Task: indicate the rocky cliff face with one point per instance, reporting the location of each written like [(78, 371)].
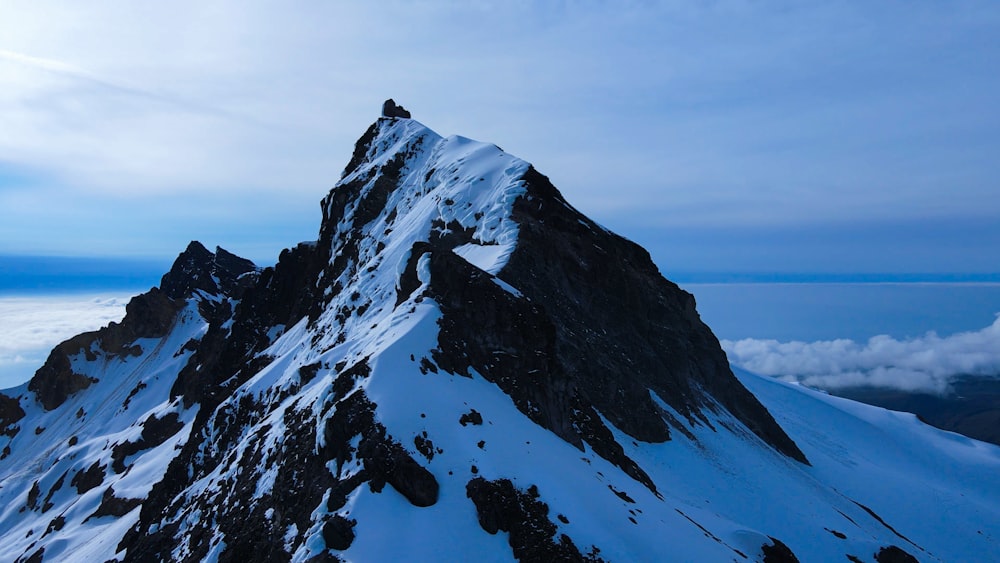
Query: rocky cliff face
[(460, 353)]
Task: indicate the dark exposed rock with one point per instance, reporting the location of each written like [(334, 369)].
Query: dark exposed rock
[(893, 554), (502, 507), (227, 354), (424, 445), (47, 503), (408, 282), (89, 478), (155, 431), (252, 532), (283, 295), (56, 380), (778, 552), (198, 269), (885, 524), (619, 327), (10, 413), (511, 341), (55, 525), (622, 495), (36, 557), (112, 505), (308, 372), (324, 557), (149, 315), (135, 391), (600, 438), (385, 460), (302, 479), (471, 417), (427, 366), (121, 451), (390, 109), (361, 148), (33, 494), (338, 532)]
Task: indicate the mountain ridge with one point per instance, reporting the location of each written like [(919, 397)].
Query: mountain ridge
[(526, 382)]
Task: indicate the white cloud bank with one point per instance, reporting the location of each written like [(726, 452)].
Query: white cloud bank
[(31, 326), (926, 363)]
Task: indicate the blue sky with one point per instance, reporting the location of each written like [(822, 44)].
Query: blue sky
[(750, 136)]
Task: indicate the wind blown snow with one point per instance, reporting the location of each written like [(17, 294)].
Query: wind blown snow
[(926, 363), (31, 326)]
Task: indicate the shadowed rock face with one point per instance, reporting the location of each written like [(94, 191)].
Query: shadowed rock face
[(10, 413), (56, 380), (621, 329), (597, 330), (198, 269)]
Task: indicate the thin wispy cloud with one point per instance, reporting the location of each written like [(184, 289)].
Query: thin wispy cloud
[(927, 363), (68, 70), (72, 71), (48, 64)]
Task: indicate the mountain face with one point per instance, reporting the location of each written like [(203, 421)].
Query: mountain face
[(461, 366), (971, 407)]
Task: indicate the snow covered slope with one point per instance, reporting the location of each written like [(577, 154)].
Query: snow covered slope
[(460, 367)]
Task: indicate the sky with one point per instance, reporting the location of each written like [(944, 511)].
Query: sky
[(722, 135)]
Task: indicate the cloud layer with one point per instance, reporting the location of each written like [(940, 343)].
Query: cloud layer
[(32, 326), (926, 363)]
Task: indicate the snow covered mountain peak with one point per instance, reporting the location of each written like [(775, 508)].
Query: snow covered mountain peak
[(461, 365)]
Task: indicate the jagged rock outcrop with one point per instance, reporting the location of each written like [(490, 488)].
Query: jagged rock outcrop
[(197, 269), (391, 109), (10, 413), (500, 506)]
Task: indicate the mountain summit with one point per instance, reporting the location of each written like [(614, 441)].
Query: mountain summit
[(461, 366)]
